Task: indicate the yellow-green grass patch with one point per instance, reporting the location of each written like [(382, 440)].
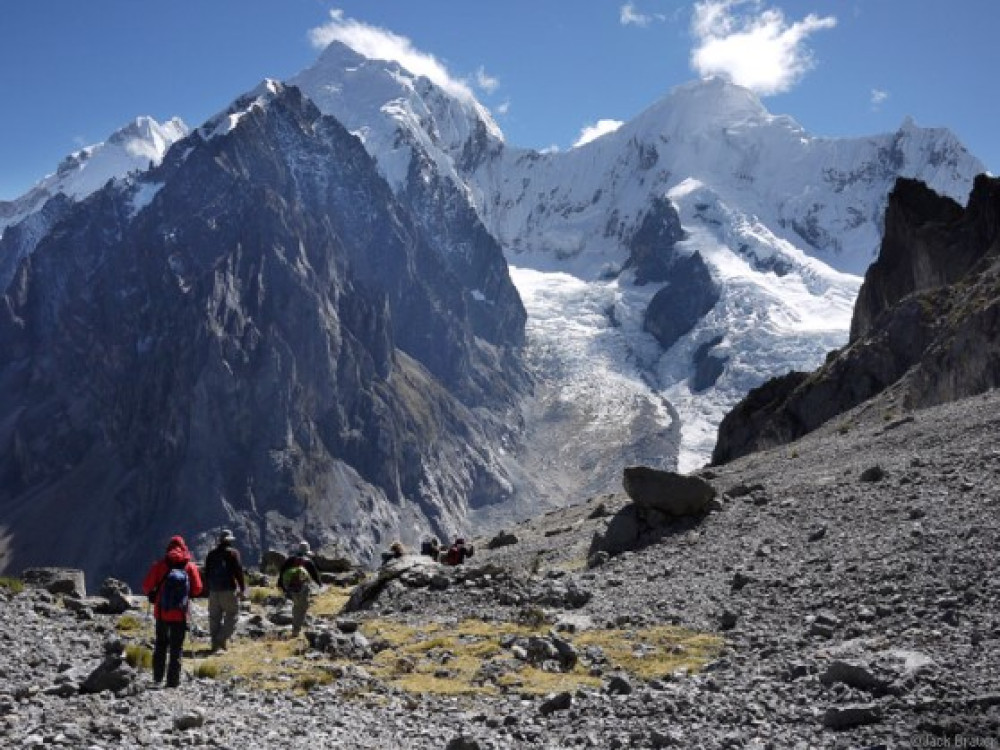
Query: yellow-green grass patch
[(456, 659), (266, 664), (13, 585)]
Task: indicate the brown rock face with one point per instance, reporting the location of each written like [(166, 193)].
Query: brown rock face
[(927, 320)]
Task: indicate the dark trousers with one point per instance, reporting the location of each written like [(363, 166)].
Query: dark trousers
[(169, 638)]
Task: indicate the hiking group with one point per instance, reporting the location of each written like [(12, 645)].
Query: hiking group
[(174, 579), (455, 554)]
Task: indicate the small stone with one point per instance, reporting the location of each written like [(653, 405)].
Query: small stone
[(818, 534), (192, 719), (847, 717), (873, 474), (618, 685), (557, 702)]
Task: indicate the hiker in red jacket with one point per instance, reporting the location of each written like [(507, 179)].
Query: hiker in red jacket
[(169, 584)]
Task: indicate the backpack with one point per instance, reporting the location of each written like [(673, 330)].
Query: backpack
[(295, 578), (454, 555), (218, 571), (174, 591)]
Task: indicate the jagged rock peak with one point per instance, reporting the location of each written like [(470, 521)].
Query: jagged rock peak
[(930, 241), (926, 324)]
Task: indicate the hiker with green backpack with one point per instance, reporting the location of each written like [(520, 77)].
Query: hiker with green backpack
[(169, 585), (295, 578)]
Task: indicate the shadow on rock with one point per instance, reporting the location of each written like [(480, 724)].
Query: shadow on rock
[(663, 503)]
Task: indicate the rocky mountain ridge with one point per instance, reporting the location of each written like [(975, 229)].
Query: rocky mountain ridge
[(925, 325), (256, 337)]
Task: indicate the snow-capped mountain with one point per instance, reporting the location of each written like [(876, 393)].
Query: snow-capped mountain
[(665, 268), (784, 222), (134, 148)]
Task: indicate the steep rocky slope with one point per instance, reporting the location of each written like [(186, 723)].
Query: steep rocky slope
[(851, 576), (255, 334), (927, 318)]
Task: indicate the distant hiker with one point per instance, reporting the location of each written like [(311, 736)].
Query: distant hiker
[(396, 551), (431, 548), (169, 584), (295, 578), (224, 577), (458, 552)]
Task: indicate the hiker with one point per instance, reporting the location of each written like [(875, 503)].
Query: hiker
[(169, 585), (294, 579), (458, 552), (224, 577), (396, 551), (431, 548)]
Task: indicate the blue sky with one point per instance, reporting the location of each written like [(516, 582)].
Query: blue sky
[(72, 72)]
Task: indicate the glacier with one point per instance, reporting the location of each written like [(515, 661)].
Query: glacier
[(786, 221)]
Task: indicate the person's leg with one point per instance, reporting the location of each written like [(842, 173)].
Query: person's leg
[(178, 630), (300, 603), (160, 650), (215, 612), (229, 606)]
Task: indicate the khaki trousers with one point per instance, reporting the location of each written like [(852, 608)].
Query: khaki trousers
[(223, 613)]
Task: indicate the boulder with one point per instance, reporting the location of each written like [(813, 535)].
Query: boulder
[(556, 702), (416, 568), (115, 595), (857, 676), (113, 674), (332, 560), (69, 581), (667, 492), (847, 717), (503, 539)]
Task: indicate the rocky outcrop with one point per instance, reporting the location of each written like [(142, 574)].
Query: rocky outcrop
[(929, 242), (257, 335), (688, 296), (926, 322), (651, 248)]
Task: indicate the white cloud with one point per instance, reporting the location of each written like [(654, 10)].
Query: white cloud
[(486, 82), (592, 132), (503, 107), (757, 49), (878, 96), (382, 44), (629, 15)]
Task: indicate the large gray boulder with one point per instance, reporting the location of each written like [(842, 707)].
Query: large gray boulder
[(70, 581), (332, 559), (667, 492), (415, 571)]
